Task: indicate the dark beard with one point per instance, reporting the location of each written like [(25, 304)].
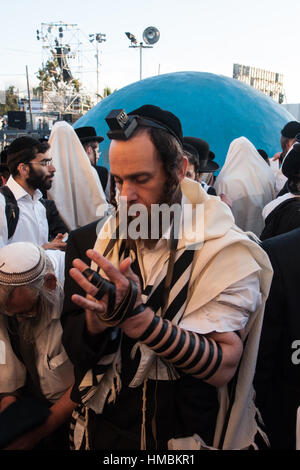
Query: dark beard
[(37, 181), (27, 328), (150, 243)]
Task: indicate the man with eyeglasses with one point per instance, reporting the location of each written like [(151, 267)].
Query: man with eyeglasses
[(31, 174)]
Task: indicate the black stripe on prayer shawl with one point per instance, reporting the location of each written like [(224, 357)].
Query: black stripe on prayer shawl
[(110, 244), (78, 413), (180, 266), (147, 290), (73, 420), (177, 303), (122, 249), (84, 392)]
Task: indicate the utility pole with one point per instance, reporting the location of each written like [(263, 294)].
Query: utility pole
[(151, 35), (29, 99), (97, 59), (141, 65), (141, 47), (99, 37)]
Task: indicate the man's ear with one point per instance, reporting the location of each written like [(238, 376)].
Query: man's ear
[(182, 170), (23, 169), (50, 281)]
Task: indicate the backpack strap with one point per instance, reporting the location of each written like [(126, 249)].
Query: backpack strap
[(11, 210)]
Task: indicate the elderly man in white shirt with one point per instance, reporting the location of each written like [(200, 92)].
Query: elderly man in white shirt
[(34, 362)]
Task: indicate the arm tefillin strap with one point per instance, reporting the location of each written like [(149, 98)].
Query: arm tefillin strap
[(184, 349), (114, 314)]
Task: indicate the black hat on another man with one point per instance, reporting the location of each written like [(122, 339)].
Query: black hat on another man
[(88, 134), (291, 163), (200, 149), (291, 129)]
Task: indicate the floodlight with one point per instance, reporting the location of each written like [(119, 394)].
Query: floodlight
[(131, 38), (151, 35)]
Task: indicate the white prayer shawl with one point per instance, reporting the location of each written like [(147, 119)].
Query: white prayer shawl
[(226, 256), (249, 182), (280, 179), (77, 193)]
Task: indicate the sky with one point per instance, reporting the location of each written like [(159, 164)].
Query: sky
[(194, 36)]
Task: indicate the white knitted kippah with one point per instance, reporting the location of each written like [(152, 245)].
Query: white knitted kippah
[(21, 263)]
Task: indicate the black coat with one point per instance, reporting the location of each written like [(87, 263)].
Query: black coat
[(55, 222), (284, 218), (277, 379), (76, 343), (103, 175)]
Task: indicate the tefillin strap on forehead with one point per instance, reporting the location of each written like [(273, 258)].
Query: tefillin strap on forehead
[(123, 126), (114, 314)]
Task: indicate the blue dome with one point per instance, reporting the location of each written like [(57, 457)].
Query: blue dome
[(215, 108)]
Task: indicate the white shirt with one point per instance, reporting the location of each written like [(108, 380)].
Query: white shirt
[(273, 204), (56, 372), (32, 224), (280, 179)]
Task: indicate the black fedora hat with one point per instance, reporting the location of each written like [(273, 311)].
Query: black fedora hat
[(200, 148), (87, 134), (291, 163)]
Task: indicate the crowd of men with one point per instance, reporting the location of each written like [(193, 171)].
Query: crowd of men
[(153, 306)]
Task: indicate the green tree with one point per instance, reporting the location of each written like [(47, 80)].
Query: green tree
[(11, 101), (51, 79), (106, 92)]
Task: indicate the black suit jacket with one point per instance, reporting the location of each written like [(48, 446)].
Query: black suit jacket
[(79, 241), (277, 379), (83, 351)]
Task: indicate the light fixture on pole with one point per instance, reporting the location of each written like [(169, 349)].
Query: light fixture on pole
[(98, 37), (150, 35)]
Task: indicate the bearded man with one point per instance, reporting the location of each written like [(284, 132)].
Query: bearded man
[(31, 173), (158, 342)]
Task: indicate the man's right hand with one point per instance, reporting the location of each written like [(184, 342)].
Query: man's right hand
[(56, 243), (276, 156)]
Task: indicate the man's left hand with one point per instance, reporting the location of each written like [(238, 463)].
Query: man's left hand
[(118, 276)]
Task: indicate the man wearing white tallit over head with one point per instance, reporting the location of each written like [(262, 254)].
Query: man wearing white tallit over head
[(78, 194), (249, 182)]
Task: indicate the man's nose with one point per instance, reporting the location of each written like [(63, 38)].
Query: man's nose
[(128, 191), (52, 168)]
